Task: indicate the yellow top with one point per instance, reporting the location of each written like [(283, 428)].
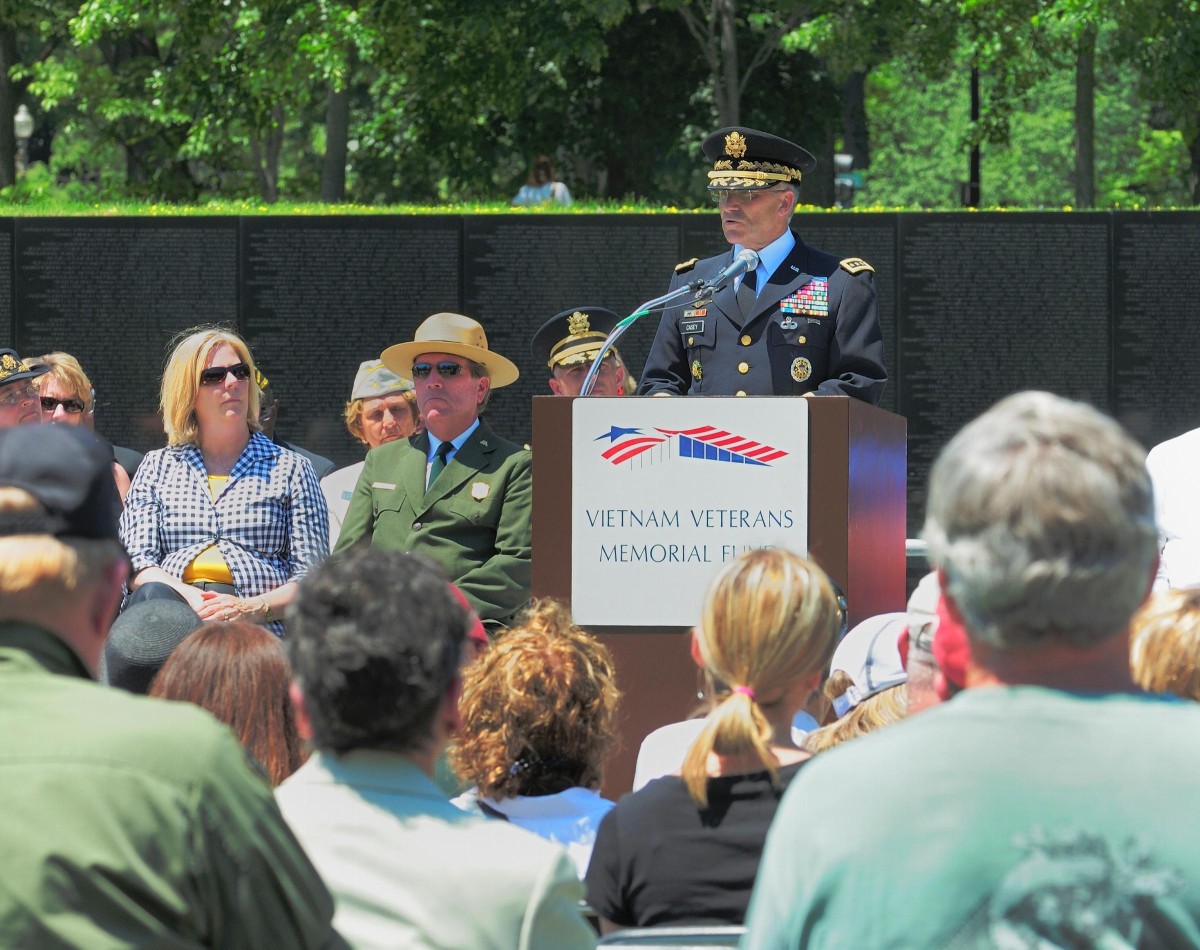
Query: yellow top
[(209, 565)]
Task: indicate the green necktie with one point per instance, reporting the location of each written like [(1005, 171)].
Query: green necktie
[(438, 463)]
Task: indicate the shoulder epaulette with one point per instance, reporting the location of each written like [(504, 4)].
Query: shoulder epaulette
[(686, 265), (855, 265)]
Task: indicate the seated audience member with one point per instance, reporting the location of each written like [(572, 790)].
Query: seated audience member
[(457, 493), (140, 641), (866, 685), (127, 822), (67, 398), (539, 714), (19, 399), (1165, 651), (1048, 804), (382, 408), (685, 849), (268, 415), (569, 342), (239, 673), (222, 518), (376, 690)]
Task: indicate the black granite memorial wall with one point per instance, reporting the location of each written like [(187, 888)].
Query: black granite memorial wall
[(1096, 306)]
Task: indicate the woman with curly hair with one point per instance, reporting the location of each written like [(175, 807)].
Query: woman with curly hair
[(539, 712), (685, 849)]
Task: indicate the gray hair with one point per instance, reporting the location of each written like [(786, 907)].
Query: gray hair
[(1041, 517)]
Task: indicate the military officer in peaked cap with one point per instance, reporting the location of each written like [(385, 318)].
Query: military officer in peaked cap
[(569, 342), (802, 322)]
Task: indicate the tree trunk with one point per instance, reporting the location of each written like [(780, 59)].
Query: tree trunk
[(855, 134), (337, 134), (1085, 120), (729, 102), (8, 106), (974, 189)]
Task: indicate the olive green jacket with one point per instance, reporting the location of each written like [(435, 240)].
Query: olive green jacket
[(474, 521), (136, 822)]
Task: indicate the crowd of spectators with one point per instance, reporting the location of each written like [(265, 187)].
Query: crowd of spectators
[(1003, 763)]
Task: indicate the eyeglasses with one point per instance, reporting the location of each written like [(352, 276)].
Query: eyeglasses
[(216, 374), (13, 395), (73, 406), (740, 196), (444, 368)]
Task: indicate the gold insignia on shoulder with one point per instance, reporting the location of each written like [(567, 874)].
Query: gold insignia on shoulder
[(260, 380), (697, 371), (686, 266), (856, 265), (735, 144), (577, 324), (801, 369)]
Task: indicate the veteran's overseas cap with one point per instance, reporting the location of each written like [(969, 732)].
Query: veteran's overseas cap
[(573, 336), (374, 380), (747, 159)]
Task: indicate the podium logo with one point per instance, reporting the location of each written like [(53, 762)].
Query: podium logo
[(706, 443)]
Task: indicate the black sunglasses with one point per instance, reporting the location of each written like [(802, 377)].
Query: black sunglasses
[(73, 406), (217, 374), (444, 368)]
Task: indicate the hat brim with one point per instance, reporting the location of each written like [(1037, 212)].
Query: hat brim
[(33, 372), (400, 358)]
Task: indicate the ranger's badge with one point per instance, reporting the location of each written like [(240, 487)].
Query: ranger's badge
[(480, 490)]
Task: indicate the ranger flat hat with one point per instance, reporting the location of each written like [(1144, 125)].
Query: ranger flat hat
[(573, 336), (457, 335), (13, 369), (747, 159), (374, 380)]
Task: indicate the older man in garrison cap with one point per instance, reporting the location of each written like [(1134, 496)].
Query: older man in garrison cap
[(569, 342), (20, 401), (456, 492), (801, 321), (128, 821)]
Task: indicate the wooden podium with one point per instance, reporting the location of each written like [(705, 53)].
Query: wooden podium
[(856, 532)]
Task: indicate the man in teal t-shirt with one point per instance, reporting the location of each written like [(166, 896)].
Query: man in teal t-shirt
[(1050, 803)]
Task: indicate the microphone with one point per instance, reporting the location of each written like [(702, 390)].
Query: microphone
[(745, 261)]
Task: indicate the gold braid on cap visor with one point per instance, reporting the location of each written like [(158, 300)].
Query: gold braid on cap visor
[(749, 174), (562, 352)]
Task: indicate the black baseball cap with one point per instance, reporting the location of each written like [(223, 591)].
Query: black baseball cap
[(69, 471)]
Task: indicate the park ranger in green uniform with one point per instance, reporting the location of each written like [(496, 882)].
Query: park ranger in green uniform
[(457, 492)]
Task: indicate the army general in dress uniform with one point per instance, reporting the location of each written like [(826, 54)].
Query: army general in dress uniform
[(802, 322), (458, 493)]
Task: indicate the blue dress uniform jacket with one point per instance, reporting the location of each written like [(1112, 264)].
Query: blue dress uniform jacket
[(474, 521), (815, 328)]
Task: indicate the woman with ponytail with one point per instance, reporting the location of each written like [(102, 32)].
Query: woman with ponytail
[(685, 849)]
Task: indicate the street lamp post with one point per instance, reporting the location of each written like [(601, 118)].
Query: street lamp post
[(23, 129)]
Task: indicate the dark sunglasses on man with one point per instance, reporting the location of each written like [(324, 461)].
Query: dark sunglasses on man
[(216, 374), (444, 368)]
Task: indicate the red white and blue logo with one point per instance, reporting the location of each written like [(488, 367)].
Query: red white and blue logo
[(707, 443)]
